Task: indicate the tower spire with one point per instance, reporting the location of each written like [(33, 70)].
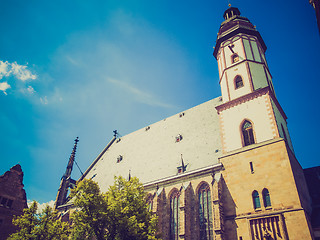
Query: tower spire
[(71, 159), (66, 180)]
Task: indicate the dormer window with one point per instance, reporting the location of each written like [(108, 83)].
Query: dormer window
[(235, 58), (119, 158), (238, 83), (178, 138)]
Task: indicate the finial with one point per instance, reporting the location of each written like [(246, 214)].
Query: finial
[(115, 133), (229, 5)]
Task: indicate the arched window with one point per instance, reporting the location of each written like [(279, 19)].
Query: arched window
[(238, 83), (205, 213), (266, 198), (256, 199), (247, 133), (235, 58), (174, 215), (150, 202)]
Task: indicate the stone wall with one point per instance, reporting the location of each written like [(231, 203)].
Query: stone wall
[(12, 199), (275, 169)]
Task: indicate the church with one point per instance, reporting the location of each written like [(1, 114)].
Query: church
[(225, 169)]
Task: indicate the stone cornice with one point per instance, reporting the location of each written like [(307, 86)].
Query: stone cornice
[(256, 215), (245, 98), (250, 147), (184, 176)]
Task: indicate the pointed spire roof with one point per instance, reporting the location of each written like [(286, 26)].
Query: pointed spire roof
[(71, 159)]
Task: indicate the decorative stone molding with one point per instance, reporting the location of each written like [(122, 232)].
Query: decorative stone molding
[(243, 99)]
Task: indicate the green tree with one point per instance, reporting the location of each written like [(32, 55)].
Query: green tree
[(119, 214), (92, 216), (39, 226)]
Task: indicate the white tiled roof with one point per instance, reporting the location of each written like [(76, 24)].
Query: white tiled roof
[(152, 153)]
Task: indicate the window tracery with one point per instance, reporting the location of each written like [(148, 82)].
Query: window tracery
[(205, 213), (174, 215)]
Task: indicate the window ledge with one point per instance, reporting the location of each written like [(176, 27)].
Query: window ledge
[(258, 209)]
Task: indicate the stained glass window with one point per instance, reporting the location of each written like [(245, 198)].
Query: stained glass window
[(205, 213), (174, 215)]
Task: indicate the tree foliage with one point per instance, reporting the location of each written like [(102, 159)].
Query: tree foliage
[(39, 226), (121, 213)]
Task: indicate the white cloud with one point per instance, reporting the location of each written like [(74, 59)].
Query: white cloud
[(44, 100), (4, 69), (18, 71), (42, 206), (21, 72), (4, 86), (31, 90)]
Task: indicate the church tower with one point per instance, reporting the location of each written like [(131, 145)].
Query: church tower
[(264, 187), (251, 112)]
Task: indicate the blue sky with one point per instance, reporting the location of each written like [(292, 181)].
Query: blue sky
[(84, 68)]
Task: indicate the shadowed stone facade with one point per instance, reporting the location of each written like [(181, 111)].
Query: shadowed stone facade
[(12, 199)]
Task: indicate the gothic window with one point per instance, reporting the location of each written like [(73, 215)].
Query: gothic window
[(238, 83), (256, 199), (235, 58), (266, 198), (205, 213), (174, 215), (150, 202), (247, 133)]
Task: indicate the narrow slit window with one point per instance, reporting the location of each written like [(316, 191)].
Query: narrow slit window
[(251, 167)]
